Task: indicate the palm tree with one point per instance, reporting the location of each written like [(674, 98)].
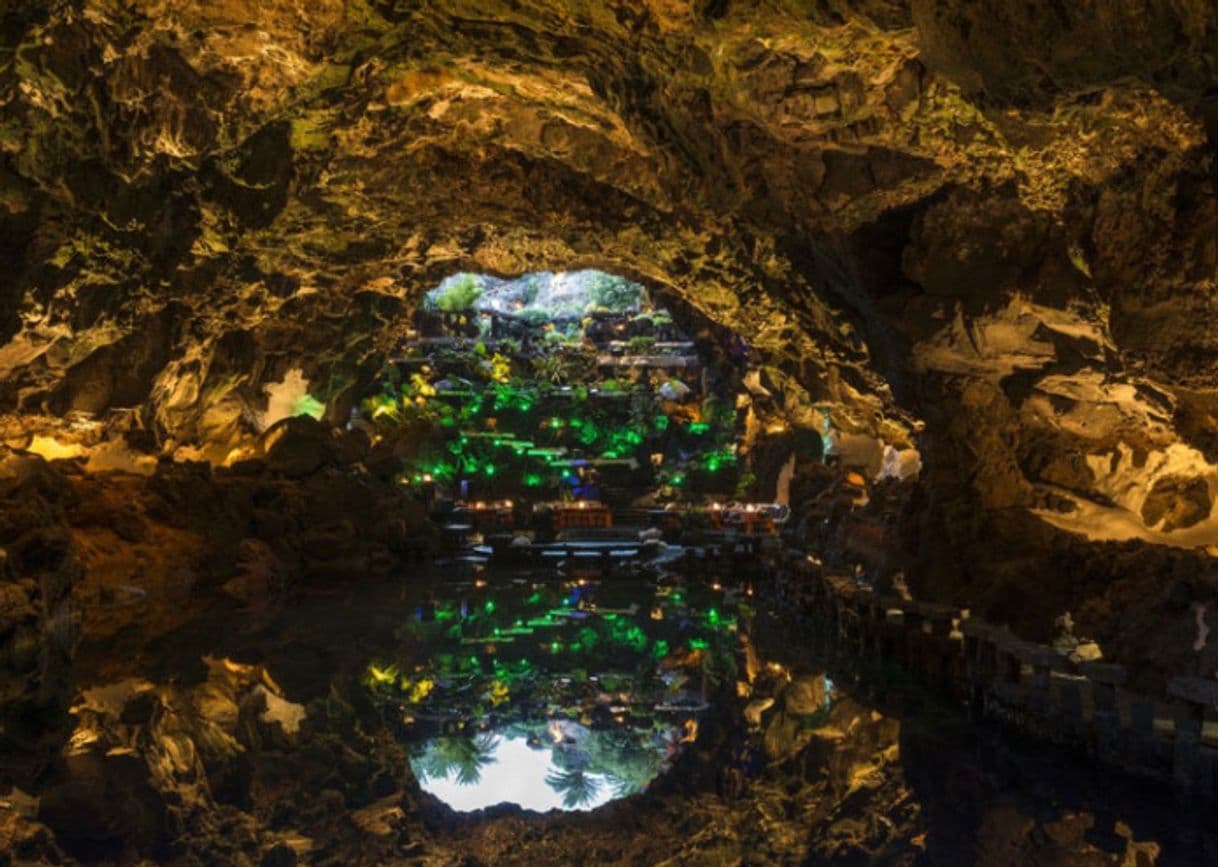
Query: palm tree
[(464, 755), (576, 787)]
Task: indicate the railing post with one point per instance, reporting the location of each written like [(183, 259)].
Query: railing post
[(1105, 678), (1193, 695), (1142, 742)]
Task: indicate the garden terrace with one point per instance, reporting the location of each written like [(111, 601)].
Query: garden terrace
[(569, 403)]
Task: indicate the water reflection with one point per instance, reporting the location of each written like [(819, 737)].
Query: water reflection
[(566, 767), (553, 693)]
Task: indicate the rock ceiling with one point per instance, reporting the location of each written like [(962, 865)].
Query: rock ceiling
[(990, 222)]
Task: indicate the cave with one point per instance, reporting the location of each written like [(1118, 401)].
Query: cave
[(623, 432)]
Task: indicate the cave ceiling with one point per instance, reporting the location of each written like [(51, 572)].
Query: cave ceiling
[(987, 223)]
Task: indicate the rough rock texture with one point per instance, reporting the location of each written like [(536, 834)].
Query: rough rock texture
[(986, 226), (39, 624)]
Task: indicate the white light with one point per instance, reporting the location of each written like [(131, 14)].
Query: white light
[(516, 775)]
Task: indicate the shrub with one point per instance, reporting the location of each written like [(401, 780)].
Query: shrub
[(640, 345), (617, 294), (461, 294)]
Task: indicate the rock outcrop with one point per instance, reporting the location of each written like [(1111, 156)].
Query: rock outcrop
[(983, 229)]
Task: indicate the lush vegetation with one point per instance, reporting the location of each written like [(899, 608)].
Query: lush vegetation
[(459, 294), (513, 413)]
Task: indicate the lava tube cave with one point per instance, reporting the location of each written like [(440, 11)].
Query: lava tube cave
[(623, 432)]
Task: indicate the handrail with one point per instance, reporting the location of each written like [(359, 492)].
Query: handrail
[(1033, 687)]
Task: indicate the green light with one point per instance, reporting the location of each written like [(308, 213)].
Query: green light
[(661, 422), (306, 404), (489, 469), (489, 607), (532, 480), (698, 644), (698, 428), (660, 650), (555, 647), (712, 617)]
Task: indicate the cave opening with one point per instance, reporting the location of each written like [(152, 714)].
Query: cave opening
[(561, 387)]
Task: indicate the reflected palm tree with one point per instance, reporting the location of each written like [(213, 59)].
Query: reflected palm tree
[(576, 787), (463, 755), (624, 786)]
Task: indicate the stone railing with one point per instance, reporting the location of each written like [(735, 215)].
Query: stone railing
[(1032, 687)]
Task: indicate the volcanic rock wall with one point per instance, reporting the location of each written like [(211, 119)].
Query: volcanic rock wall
[(987, 227)]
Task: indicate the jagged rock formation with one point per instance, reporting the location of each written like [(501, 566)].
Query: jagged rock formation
[(985, 228)]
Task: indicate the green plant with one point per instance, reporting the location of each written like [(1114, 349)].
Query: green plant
[(534, 318), (617, 294), (558, 338), (532, 285), (559, 368), (640, 345), (461, 294)]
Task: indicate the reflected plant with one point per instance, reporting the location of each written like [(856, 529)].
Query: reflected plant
[(463, 755), (575, 786)]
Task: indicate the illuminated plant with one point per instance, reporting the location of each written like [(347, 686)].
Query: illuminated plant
[(615, 294), (459, 295)]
